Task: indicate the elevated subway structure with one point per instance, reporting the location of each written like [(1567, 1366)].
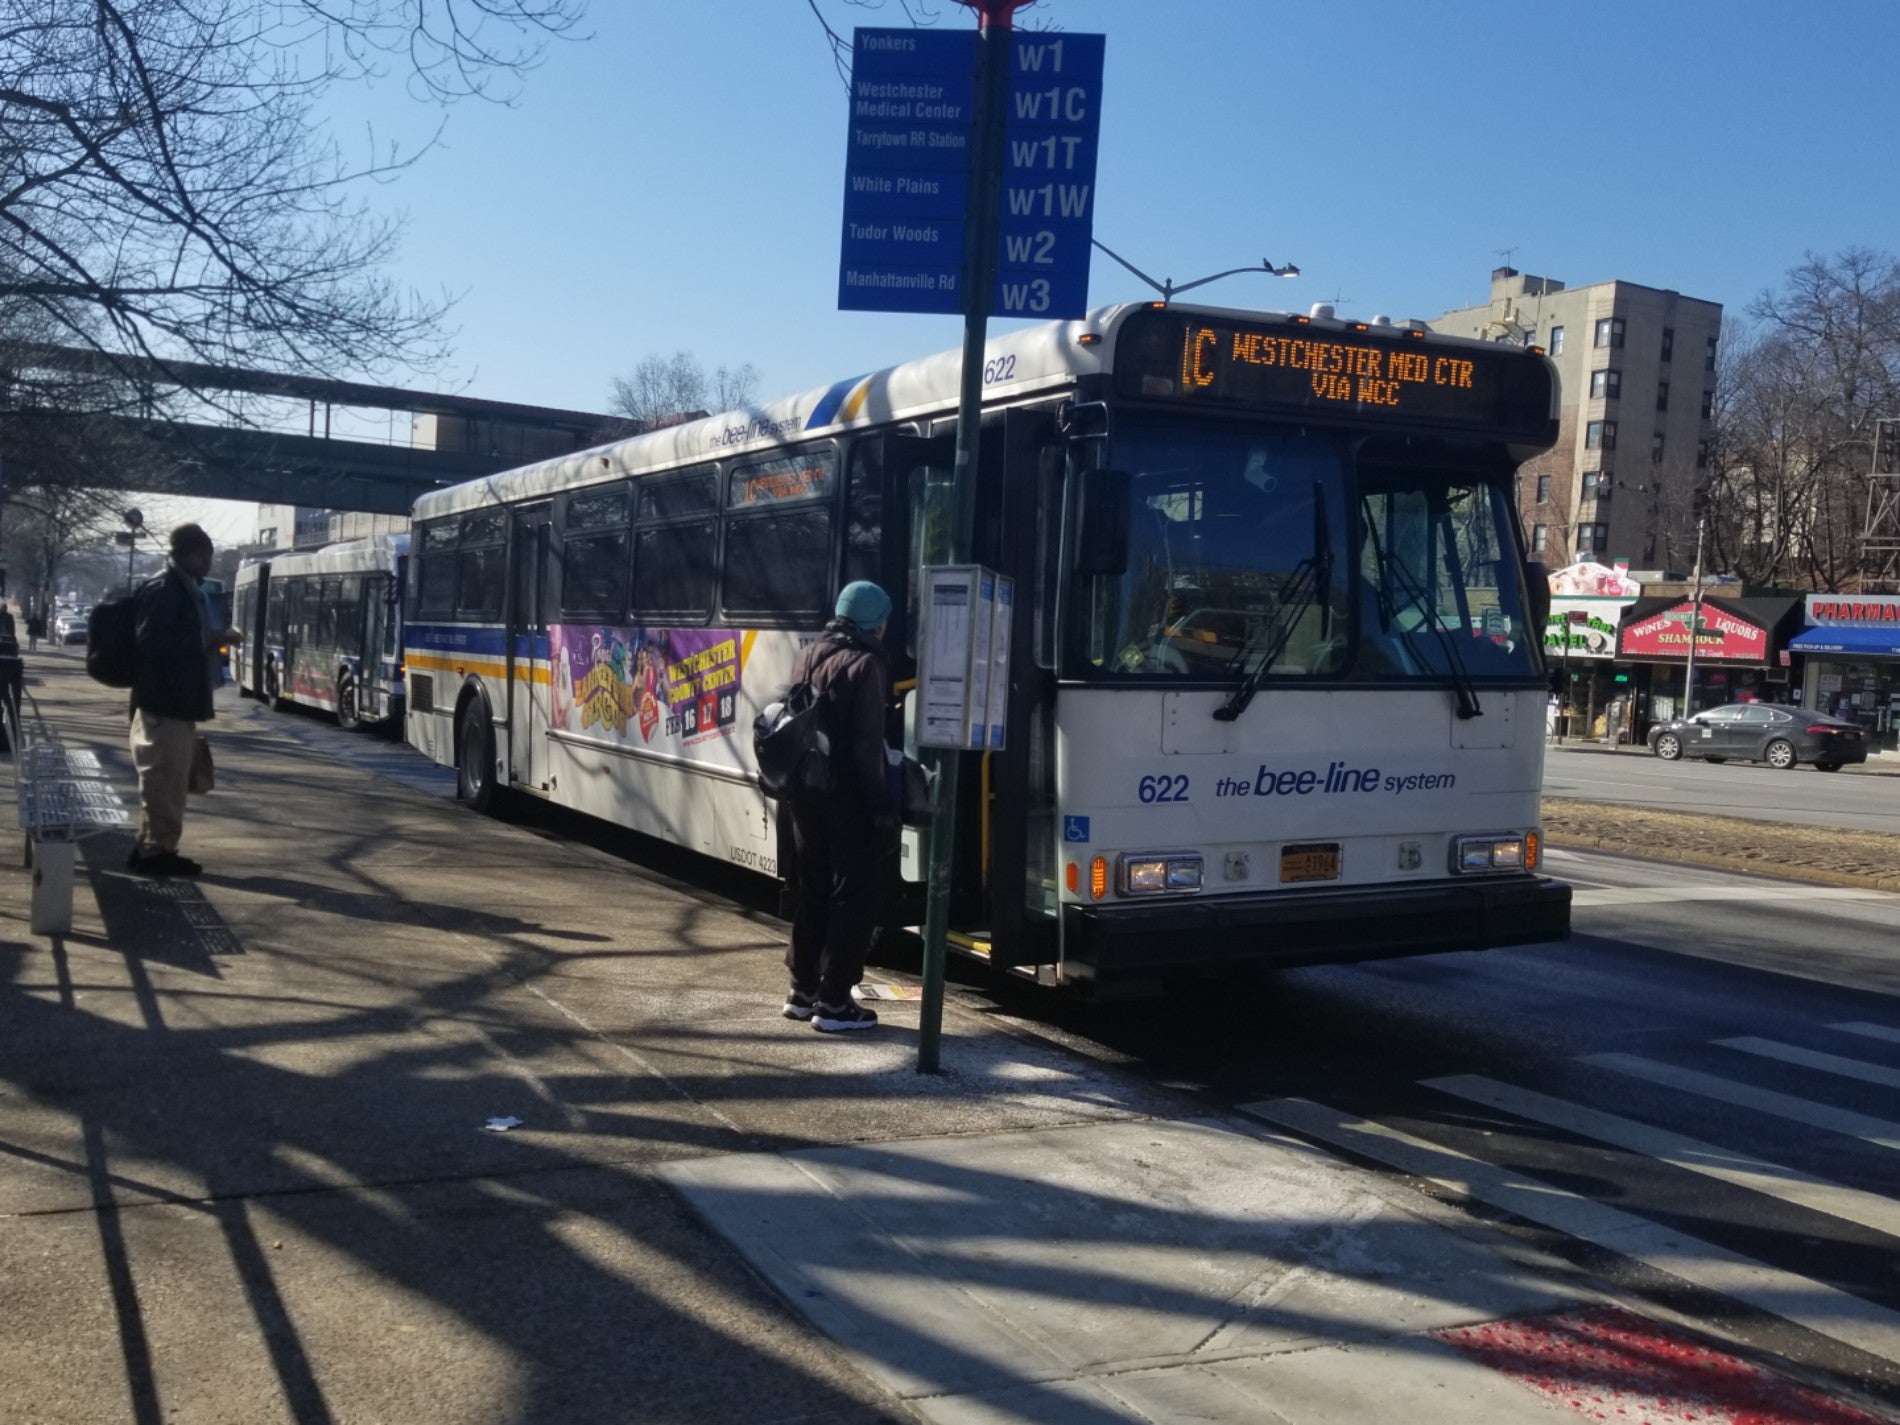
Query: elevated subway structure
[(447, 439)]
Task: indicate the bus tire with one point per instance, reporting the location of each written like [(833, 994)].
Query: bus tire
[(475, 757), (349, 716)]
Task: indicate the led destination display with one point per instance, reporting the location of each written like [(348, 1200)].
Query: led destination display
[(1298, 368)]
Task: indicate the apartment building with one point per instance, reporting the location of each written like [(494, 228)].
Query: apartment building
[(1636, 367)]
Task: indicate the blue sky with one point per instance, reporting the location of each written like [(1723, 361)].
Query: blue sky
[(675, 182)]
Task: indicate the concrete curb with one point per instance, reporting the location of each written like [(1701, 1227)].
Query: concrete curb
[(1813, 874)]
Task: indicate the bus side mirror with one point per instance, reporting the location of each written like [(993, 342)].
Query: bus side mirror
[(1537, 591), (1101, 527)]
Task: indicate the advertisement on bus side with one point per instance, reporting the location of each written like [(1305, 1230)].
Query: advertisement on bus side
[(664, 688)]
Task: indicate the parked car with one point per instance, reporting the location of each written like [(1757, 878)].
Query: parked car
[(70, 626), (1760, 732)]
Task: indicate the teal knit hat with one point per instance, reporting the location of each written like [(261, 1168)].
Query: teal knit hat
[(864, 604)]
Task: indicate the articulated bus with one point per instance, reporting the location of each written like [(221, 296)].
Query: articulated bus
[(325, 629), (1276, 693)]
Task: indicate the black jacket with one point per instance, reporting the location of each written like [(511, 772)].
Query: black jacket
[(174, 671), (849, 671)]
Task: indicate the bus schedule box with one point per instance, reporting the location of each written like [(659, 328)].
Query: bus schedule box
[(963, 657)]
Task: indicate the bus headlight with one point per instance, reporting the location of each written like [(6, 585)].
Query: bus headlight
[(1488, 853), (1160, 875)]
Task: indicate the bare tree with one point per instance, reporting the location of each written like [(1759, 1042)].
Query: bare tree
[(1794, 421), (666, 389), (48, 525), (167, 189)]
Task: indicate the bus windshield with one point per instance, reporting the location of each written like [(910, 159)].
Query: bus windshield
[(1440, 585), (1270, 544), (1236, 548)]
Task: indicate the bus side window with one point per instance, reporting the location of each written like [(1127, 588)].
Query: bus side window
[(932, 499), (327, 614), (864, 514), (349, 615)]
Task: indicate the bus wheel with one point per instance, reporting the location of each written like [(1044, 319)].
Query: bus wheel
[(349, 716), (475, 758)]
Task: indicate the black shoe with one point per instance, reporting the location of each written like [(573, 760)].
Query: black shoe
[(164, 863), (833, 1019), (799, 1005)]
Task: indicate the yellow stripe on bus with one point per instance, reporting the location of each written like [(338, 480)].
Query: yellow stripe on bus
[(465, 663), (495, 667)]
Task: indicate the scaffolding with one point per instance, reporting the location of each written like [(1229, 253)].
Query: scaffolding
[(1880, 539)]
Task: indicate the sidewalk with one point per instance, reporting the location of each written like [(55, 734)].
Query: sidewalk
[(244, 1174)]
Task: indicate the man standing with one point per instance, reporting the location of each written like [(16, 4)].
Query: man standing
[(840, 837), (178, 642)]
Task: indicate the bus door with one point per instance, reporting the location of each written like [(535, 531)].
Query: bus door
[(300, 613), (256, 629), (1018, 533), (528, 611), (381, 606), (1006, 815), (372, 682)]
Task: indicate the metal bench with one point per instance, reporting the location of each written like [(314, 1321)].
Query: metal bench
[(64, 795)]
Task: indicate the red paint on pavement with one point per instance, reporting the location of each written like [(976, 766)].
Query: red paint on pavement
[(1615, 1366)]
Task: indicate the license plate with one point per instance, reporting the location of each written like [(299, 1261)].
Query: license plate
[(1310, 862)]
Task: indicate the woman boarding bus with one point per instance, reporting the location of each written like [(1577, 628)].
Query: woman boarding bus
[(325, 629), (1275, 681)]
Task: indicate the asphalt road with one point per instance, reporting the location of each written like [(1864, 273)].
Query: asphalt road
[(1702, 1086), (1849, 801), (1696, 1098)]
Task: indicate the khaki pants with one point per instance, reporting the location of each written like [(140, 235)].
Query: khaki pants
[(161, 750)]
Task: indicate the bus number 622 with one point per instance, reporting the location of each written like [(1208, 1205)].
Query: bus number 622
[(1164, 788)]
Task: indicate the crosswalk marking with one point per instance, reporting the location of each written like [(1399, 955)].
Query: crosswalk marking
[(1872, 1210), (1870, 1031), (1879, 1131), (1814, 1059), (1812, 1304)]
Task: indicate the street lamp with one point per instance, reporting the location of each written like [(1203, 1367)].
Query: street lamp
[(1167, 286)]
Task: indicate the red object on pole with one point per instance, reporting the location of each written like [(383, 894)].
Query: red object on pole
[(999, 13)]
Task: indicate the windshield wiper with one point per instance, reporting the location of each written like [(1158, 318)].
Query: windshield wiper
[(1467, 691), (1311, 576)]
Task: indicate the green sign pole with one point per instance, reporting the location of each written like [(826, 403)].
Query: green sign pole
[(952, 545)]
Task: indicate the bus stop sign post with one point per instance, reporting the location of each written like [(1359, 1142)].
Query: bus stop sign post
[(923, 162), (979, 275)]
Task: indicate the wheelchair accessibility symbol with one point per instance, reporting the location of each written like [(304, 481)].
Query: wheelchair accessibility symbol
[(1075, 828)]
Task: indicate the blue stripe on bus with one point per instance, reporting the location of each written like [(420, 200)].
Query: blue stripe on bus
[(827, 408), (458, 638)]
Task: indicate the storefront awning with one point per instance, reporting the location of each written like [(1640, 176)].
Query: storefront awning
[(1878, 642)]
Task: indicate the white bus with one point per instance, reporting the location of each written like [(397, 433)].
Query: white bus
[(325, 629), (1277, 687)]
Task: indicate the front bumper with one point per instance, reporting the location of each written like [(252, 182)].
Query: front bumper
[(1282, 928)]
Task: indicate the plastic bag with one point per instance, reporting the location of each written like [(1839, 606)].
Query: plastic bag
[(203, 776)]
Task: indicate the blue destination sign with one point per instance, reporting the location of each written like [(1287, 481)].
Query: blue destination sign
[(908, 165), (1050, 139), (907, 170)]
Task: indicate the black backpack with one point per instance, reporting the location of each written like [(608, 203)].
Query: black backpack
[(791, 744), (112, 652)]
